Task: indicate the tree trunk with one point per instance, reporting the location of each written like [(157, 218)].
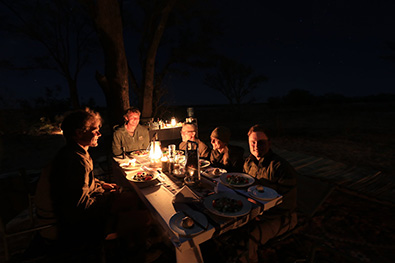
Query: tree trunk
[(107, 18), (150, 61)]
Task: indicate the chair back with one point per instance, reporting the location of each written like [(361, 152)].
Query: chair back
[(312, 193)]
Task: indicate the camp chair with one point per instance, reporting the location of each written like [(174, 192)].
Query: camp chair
[(312, 193), (17, 196)]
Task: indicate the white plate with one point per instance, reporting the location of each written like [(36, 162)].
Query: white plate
[(175, 223), (129, 166), (210, 172), (203, 163), (267, 194), (139, 153), (224, 180), (130, 176), (208, 203)]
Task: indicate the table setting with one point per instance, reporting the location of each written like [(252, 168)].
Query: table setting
[(213, 203)]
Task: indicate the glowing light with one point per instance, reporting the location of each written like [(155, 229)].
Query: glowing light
[(155, 153), (173, 122)]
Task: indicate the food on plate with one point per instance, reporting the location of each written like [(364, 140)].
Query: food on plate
[(143, 177), (187, 222), (236, 179), (260, 188), (227, 205), (177, 152), (216, 171), (130, 164), (139, 152)]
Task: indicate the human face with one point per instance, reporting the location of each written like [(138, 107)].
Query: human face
[(217, 144), (89, 137), (259, 144), (133, 119), (188, 133)]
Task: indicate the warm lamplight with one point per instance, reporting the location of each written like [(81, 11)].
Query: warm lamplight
[(173, 122), (155, 152)]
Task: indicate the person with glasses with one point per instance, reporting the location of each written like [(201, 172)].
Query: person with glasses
[(189, 133), (272, 171), (131, 136)]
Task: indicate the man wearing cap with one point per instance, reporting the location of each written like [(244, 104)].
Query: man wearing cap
[(223, 155), (188, 133)]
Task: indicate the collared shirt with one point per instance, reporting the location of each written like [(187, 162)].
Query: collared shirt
[(122, 138), (275, 172)]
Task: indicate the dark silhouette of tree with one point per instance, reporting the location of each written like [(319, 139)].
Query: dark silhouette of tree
[(234, 80), (61, 29), (174, 35), (114, 82)]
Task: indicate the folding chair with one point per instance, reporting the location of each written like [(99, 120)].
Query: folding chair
[(20, 194), (312, 193)]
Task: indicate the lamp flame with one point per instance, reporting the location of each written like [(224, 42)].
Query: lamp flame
[(173, 122), (155, 153)]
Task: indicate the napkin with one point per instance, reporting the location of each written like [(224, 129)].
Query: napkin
[(185, 195), (222, 188)]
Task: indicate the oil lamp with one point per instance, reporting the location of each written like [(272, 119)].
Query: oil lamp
[(173, 122), (155, 153)]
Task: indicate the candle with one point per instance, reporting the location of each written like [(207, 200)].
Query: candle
[(173, 122)]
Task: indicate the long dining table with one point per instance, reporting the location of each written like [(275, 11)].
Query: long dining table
[(166, 196)]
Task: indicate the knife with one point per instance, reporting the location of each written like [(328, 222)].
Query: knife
[(195, 221)]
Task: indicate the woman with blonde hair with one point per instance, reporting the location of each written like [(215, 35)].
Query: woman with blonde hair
[(223, 155)]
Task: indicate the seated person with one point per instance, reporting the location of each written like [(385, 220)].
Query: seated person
[(83, 210), (272, 171), (188, 133), (130, 135), (224, 155), (68, 194)]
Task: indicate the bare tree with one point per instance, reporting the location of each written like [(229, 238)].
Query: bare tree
[(234, 80), (173, 35), (114, 82), (62, 31)]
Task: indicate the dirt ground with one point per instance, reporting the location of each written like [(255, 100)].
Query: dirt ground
[(350, 228)]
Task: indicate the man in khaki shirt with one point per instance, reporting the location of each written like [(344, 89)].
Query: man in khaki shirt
[(272, 171), (131, 136)]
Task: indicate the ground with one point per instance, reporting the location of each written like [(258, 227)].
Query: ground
[(351, 228)]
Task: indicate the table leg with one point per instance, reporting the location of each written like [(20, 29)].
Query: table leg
[(189, 255)]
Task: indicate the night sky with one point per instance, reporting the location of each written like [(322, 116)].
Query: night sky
[(319, 46)]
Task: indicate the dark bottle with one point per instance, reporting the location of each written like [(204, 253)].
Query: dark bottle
[(192, 166), (123, 153)]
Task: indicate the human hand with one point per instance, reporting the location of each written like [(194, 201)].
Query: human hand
[(110, 187)]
